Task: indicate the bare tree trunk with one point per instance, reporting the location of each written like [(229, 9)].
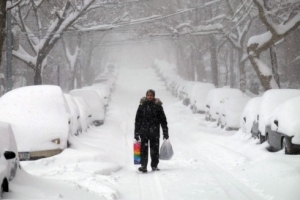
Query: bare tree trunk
[(274, 64), (231, 64), (38, 74), (213, 61), (242, 82), (2, 25)]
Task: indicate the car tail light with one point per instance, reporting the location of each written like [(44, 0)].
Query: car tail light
[(56, 141)]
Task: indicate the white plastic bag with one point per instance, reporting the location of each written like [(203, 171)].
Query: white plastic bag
[(166, 150)]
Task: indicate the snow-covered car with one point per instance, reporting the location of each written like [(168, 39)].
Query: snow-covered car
[(214, 98), (198, 97), (94, 102), (270, 101), (285, 127), (231, 111), (75, 115), (186, 92), (39, 118), (249, 119), (85, 113), (9, 159), (104, 90)]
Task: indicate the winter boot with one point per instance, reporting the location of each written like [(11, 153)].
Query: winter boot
[(143, 169), (155, 169)]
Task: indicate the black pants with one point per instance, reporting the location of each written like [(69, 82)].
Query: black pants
[(154, 151)]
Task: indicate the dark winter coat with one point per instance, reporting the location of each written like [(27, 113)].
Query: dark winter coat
[(150, 115)]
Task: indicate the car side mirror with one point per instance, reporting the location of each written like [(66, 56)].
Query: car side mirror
[(276, 122), (9, 155)]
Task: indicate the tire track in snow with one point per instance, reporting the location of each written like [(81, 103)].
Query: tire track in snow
[(232, 186), (149, 184)]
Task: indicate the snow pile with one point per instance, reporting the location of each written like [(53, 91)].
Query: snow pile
[(38, 115), (270, 100), (250, 114), (288, 117)]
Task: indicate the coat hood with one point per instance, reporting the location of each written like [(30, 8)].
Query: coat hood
[(157, 101)]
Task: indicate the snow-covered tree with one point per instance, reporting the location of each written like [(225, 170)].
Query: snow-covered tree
[(281, 17), (48, 30)]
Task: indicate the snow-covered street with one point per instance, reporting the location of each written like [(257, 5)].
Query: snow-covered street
[(209, 163)]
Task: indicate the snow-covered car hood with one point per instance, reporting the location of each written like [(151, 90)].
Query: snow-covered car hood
[(37, 115)]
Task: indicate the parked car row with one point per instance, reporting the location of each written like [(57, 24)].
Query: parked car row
[(43, 117), (37, 121), (274, 117), (221, 105)]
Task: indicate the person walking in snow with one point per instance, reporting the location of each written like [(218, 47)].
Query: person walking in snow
[(150, 115)]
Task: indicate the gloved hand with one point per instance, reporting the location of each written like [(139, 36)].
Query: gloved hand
[(166, 136), (137, 137)]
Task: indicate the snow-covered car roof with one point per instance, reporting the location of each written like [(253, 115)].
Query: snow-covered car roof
[(84, 113), (74, 111), (233, 109), (288, 116), (250, 112), (38, 115), (101, 91), (215, 96), (270, 100), (200, 93)]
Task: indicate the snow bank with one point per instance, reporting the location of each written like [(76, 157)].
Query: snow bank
[(270, 100), (288, 117), (250, 113), (38, 115)]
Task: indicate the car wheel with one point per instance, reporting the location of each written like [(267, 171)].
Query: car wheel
[(267, 138), (283, 144), (2, 190)]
